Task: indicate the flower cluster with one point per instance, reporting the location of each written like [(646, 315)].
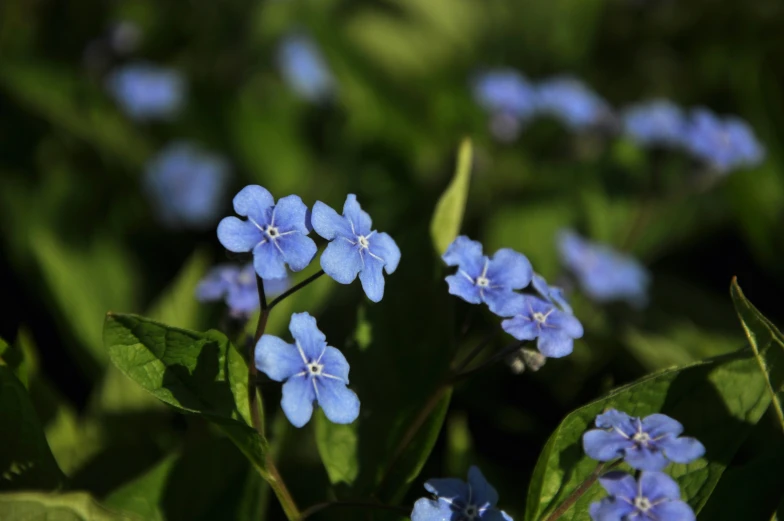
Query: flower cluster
[(480, 279), (237, 286), (647, 444), (456, 500)]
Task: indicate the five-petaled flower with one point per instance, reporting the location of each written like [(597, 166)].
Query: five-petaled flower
[(655, 497), (354, 248), (312, 371), (237, 284), (533, 318), (649, 443), (480, 279), (457, 500), (275, 233)]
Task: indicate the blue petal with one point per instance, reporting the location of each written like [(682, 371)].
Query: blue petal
[(274, 287), (243, 299), (341, 260), (460, 286), (298, 250), (681, 450), (268, 261), (340, 404), (290, 214), (448, 488), (512, 306), (559, 299), (237, 235), (328, 223), (216, 283), (335, 364), (521, 328), (467, 254), (277, 359), (658, 485), (297, 401), (645, 459), (672, 511), (308, 336), (610, 509), (554, 344), (358, 219), (567, 324), (383, 246), (254, 201), (429, 510), (498, 300), (619, 484), (509, 269), (657, 425), (482, 493), (616, 419), (540, 285), (372, 278), (604, 445)]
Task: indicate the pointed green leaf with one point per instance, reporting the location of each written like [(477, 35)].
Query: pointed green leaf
[(74, 506), (448, 217)]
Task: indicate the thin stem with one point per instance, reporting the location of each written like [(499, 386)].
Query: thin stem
[(352, 504), (475, 351), (296, 288), (581, 489), (503, 353), (281, 492)]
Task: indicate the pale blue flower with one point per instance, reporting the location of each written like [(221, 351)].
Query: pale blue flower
[(655, 497), (657, 122), (570, 101), (456, 500), (508, 98), (534, 318), (312, 372), (147, 92), (725, 144), (237, 285), (304, 69)]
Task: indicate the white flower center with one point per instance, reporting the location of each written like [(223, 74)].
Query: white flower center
[(272, 232), (363, 242), (471, 512), (642, 504), (245, 278), (540, 317), (315, 368), (641, 437), (483, 282)]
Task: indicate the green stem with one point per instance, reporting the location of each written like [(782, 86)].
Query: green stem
[(503, 353), (296, 288), (581, 489), (475, 351), (352, 504)]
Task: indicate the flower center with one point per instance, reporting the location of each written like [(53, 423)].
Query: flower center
[(642, 504), (471, 512), (363, 242), (540, 317), (315, 368), (641, 437), (272, 232), (483, 282), (246, 278)]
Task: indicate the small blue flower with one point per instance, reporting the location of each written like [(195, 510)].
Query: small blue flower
[(275, 233), (553, 294), (479, 279), (186, 185), (304, 68), (533, 317), (645, 444), (604, 274), (572, 102), (656, 122), (505, 91), (354, 248), (724, 144), (457, 500), (147, 92), (312, 372), (655, 497), (238, 286)]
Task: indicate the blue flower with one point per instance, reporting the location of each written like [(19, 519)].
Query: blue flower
[(655, 497), (354, 248), (655, 122), (147, 92), (533, 317), (725, 144), (304, 69), (275, 233), (570, 101), (238, 286), (479, 279), (604, 274), (186, 185), (646, 444), (457, 500), (312, 372), (508, 97), (553, 294)]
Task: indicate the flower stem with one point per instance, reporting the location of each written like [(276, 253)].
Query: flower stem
[(352, 504), (475, 351), (581, 489), (295, 289), (500, 355)]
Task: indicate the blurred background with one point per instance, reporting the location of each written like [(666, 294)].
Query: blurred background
[(126, 127)]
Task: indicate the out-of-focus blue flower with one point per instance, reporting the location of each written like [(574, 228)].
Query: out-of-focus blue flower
[(645, 444), (533, 318), (604, 274), (570, 101), (656, 122), (304, 69), (553, 294), (237, 285), (480, 279), (186, 185), (277, 234), (147, 92), (312, 372), (509, 99), (725, 144), (456, 500), (354, 248), (655, 497)]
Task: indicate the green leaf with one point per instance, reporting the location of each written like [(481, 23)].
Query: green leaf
[(196, 373), (768, 345), (74, 506), (26, 462), (177, 306), (144, 494), (448, 217), (718, 401)]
